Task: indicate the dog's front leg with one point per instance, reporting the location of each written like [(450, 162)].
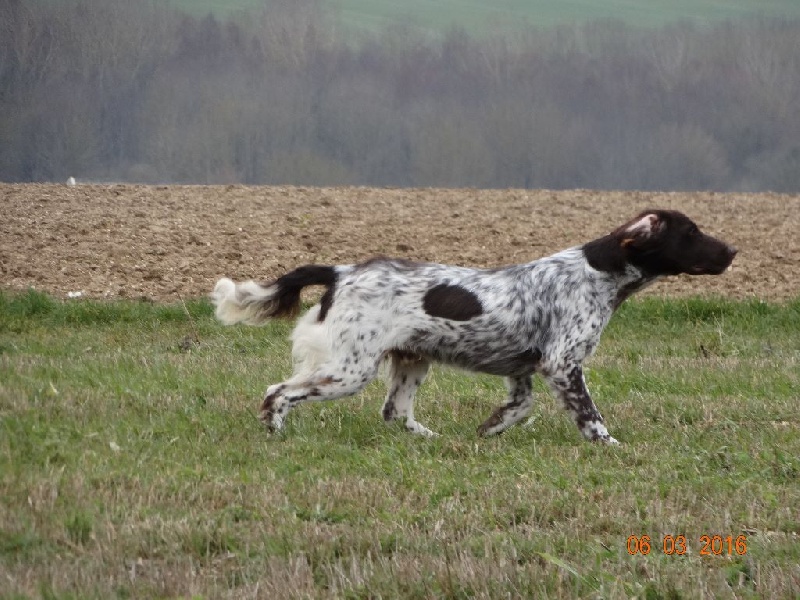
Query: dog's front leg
[(569, 385)]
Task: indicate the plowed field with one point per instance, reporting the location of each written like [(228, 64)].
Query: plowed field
[(166, 242)]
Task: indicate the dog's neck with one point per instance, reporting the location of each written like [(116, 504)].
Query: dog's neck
[(635, 283), (606, 254)]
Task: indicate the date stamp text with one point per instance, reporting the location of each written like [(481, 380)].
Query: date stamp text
[(678, 545)]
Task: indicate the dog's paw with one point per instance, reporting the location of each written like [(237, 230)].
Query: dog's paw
[(271, 420), (271, 401), (265, 416), (493, 425), (270, 414), (419, 429)]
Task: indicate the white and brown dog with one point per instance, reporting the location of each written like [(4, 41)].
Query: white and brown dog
[(542, 317)]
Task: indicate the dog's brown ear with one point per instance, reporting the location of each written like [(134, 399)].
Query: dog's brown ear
[(642, 228)]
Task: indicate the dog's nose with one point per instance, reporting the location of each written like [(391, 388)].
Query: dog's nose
[(732, 252)]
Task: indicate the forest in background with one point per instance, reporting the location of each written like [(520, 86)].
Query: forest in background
[(111, 90)]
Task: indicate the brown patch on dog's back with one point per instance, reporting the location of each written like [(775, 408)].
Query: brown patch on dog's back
[(451, 302)]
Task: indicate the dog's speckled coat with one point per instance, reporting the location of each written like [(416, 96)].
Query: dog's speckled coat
[(542, 317)]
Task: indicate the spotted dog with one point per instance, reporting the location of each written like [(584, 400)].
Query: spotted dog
[(542, 317)]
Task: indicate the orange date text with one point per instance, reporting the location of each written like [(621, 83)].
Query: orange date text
[(678, 545)]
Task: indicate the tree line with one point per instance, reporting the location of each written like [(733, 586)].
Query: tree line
[(135, 91)]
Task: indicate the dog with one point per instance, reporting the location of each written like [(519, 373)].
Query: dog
[(544, 317)]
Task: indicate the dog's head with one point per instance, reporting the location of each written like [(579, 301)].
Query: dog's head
[(661, 242)]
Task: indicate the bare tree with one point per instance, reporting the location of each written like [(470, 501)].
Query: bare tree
[(284, 94)]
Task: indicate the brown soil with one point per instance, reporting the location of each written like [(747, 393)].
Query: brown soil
[(162, 242)]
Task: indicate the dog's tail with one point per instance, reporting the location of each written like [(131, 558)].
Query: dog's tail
[(253, 303)]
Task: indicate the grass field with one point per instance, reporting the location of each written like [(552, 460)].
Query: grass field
[(132, 465), (476, 16)]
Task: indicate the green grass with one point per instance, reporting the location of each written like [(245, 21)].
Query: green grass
[(132, 465), (477, 16)]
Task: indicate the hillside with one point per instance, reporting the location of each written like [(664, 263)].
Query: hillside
[(440, 15)]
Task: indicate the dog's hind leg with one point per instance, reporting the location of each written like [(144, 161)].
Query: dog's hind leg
[(406, 373), (328, 382), (570, 386), (517, 407)]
